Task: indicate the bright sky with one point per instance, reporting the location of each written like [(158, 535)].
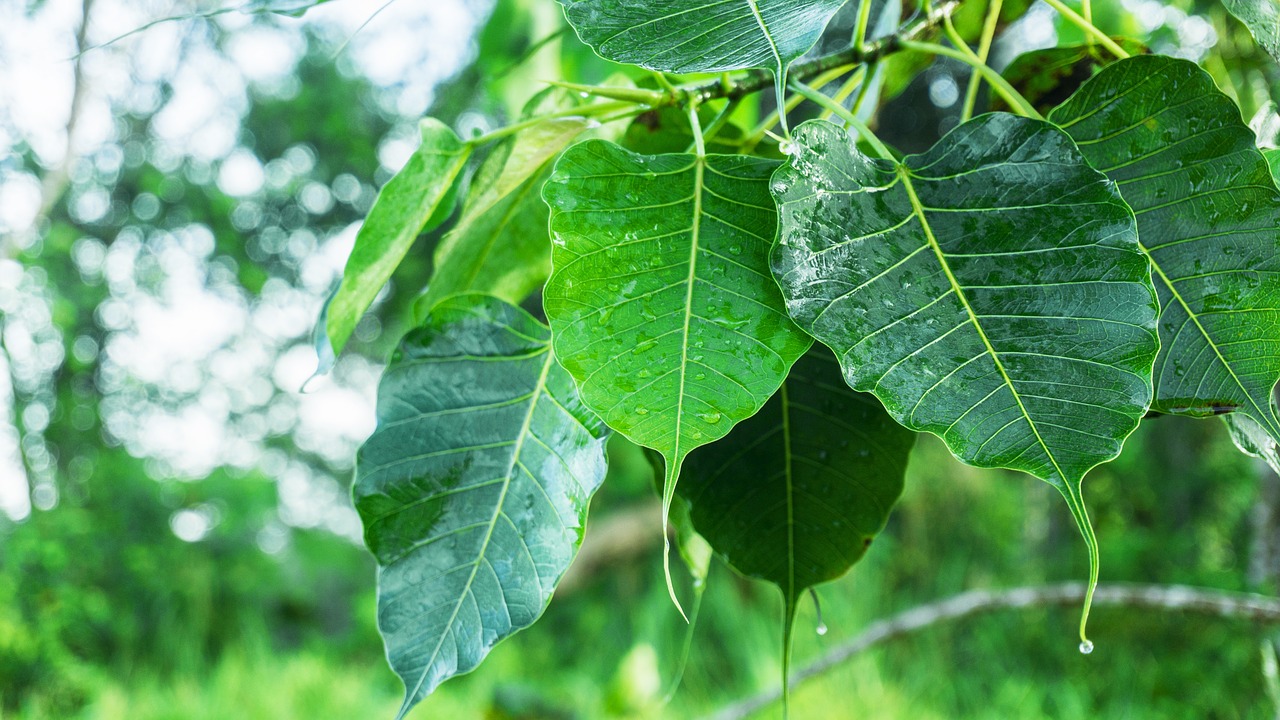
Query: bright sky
[(195, 324)]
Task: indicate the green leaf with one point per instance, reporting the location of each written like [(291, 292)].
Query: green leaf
[(689, 36), (667, 130), (500, 244), (660, 299), (1272, 156), (1262, 17), (989, 291), (1049, 76), (417, 199), (474, 488), (796, 493), (1207, 209)]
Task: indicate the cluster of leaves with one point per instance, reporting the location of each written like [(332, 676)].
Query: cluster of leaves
[(1028, 290)]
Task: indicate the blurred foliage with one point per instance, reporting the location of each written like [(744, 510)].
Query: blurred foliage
[(106, 613)]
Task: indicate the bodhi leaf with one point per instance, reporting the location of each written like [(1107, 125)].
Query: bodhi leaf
[(1049, 76), (796, 493), (689, 36), (500, 244), (474, 488), (1207, 210), (989, 291), (1262, 17), (660, 299), (417, 199)]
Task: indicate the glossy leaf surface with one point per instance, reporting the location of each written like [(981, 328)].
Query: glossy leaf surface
[(474, 488), (500, 245), (660, 299), (1262, 17), (796, 493), (989, 291), (1049, 76), (417, 199), (1208, 212), (686, 36)]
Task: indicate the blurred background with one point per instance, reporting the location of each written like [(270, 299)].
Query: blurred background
[(180, 185)]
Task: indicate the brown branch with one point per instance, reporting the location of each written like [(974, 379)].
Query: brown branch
[(1167, 598)]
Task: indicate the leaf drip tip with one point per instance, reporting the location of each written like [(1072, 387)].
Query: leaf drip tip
[(817, 607)]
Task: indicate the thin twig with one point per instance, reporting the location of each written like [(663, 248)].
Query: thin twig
[(1259, 609)]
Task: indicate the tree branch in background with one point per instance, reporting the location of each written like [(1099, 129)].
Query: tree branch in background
[(1169, 598), (54, 184)]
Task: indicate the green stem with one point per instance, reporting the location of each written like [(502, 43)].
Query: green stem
[(587, 111), (984, 50), (860, 32), (758, 134), (1002, 86), (1088, 27), (843, 113), (857, 80), (839, 62)]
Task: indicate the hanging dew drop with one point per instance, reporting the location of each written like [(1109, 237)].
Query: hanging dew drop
[(822, 628), (1086, 647)]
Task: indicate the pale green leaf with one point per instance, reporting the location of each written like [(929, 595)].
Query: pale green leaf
[(500, 245), (990, 291), (1208, 212), (417, 199), (474, 488), (660, 299)]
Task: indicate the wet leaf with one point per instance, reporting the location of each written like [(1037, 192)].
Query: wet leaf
[(1049, 76), (474, 488), (1262, 17), (990, 291), (797, 492), (417, 199), (687, 36), (660, 299), (1207, 209), (690, 36)]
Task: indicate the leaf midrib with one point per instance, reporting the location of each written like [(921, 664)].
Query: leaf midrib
[(538, 391), (918, 209), (773, 46), (1266, 417)]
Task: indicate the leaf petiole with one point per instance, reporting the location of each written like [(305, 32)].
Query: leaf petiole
[(1002, 86), (590, 111), (844, 114), (1086, 24), (984, 49)]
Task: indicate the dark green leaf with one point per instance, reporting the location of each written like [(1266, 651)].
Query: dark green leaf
[(686, 36), (990, 291), (1207, 210), (474, 488), (1049, 76), (500, 245), (667, 130), (796, 493), (417, 199), (660, 298), (1262, 17)]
